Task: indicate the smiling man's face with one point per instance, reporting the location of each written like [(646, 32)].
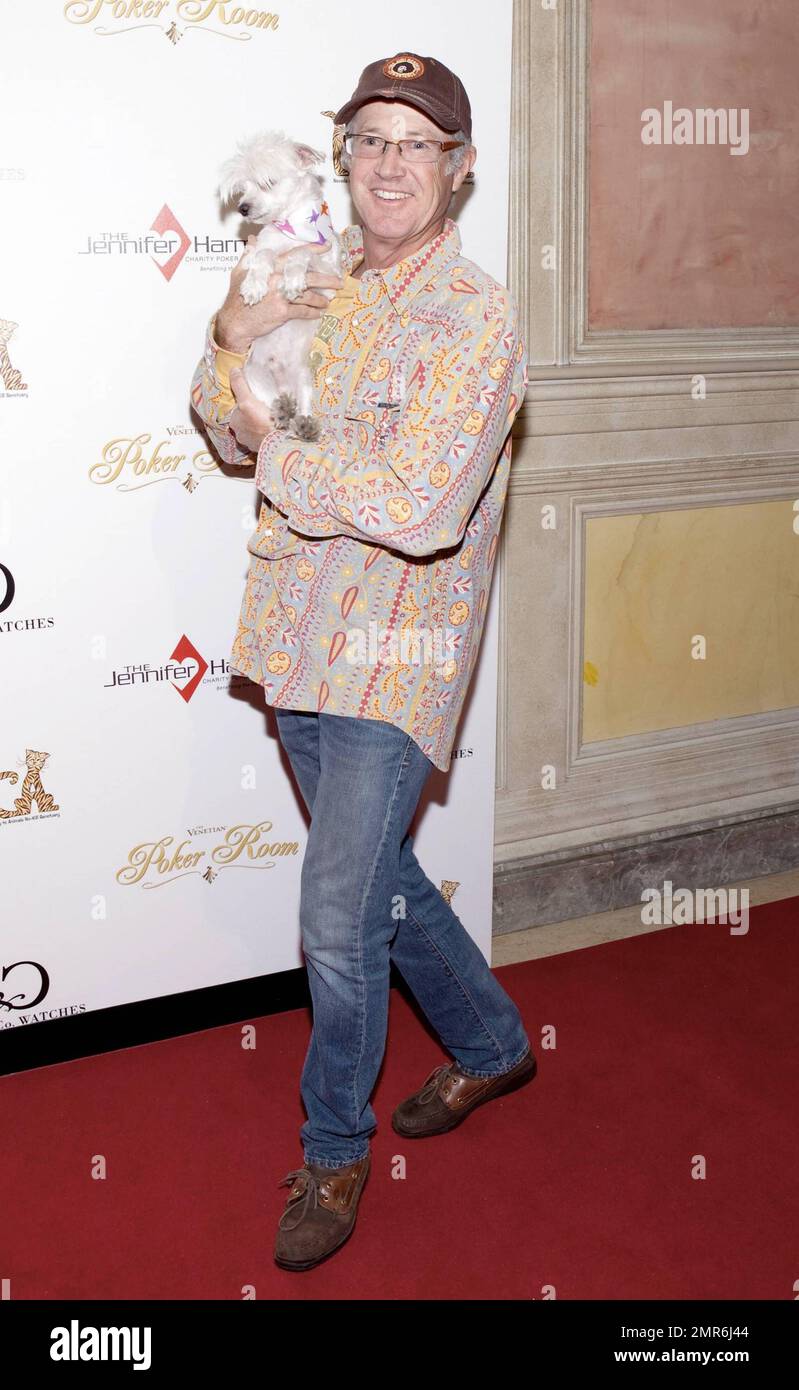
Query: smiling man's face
[(400, 205)]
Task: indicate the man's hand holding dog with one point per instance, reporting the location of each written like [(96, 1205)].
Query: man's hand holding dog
[(238, 323), (251, 420)]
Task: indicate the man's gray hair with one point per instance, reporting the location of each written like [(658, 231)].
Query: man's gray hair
[(454, 158)]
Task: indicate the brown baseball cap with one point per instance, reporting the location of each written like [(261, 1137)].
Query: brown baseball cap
[(421, 82)]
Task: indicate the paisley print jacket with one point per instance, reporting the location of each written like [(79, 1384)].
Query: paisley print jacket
[(371, 563)]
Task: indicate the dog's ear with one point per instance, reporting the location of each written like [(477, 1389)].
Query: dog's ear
[(230, 181), (308, 156)]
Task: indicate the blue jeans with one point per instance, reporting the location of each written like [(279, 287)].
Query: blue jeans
[(361, 780)]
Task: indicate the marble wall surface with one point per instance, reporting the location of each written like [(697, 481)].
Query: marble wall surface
[(685, 234)]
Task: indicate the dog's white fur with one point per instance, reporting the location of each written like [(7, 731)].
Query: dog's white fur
[(269, 177)]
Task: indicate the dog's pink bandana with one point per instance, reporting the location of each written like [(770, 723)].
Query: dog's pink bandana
[(308, 222)]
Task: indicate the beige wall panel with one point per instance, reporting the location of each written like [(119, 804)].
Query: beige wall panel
[(654, 582)]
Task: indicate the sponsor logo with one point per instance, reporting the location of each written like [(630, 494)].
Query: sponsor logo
[(132, 462), (8, 589), (167, 244), (12, 378), (153, 863), (24, 985), (185, 671), (173, 19), (32, 792)]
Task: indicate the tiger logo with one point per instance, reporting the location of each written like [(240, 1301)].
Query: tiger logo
[(12, 379), (338, 145), (33, 793), (447, 889)]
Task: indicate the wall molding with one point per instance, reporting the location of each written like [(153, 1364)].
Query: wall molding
[(578, 404), (557, 885), (714, 479)]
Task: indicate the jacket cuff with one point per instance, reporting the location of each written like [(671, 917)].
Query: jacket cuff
[(280, 464), (224, 361)]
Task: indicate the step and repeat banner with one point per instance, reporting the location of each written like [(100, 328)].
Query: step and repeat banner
[(150, 833)]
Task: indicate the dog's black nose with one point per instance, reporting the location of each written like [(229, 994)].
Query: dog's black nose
[(244, 208)]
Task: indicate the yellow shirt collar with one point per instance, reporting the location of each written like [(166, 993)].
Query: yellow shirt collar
[(405, 279)]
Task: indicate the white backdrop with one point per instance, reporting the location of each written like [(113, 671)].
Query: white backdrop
[(122, 542)]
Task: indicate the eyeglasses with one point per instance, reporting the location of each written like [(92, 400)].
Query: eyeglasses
[(415, 151)]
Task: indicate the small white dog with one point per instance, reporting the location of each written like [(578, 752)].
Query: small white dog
[(271, 179)]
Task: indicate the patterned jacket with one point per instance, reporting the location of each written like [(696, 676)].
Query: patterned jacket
[(371, 563)]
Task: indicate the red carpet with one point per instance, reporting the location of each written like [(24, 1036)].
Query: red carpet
[(671, 1045)]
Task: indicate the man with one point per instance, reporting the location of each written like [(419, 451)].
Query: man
[(384, 526)]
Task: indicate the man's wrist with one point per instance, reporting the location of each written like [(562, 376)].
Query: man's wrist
[(228, 343), (227, 339)]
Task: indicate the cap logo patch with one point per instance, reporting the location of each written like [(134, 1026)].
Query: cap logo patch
[(404, 66)]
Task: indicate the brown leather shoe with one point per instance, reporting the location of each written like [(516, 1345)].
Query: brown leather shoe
[(320, 1212), (449, 1095)]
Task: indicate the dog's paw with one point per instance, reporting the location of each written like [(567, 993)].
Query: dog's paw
[(283, 410), (294, 281), (306, 427), (253, 287)]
